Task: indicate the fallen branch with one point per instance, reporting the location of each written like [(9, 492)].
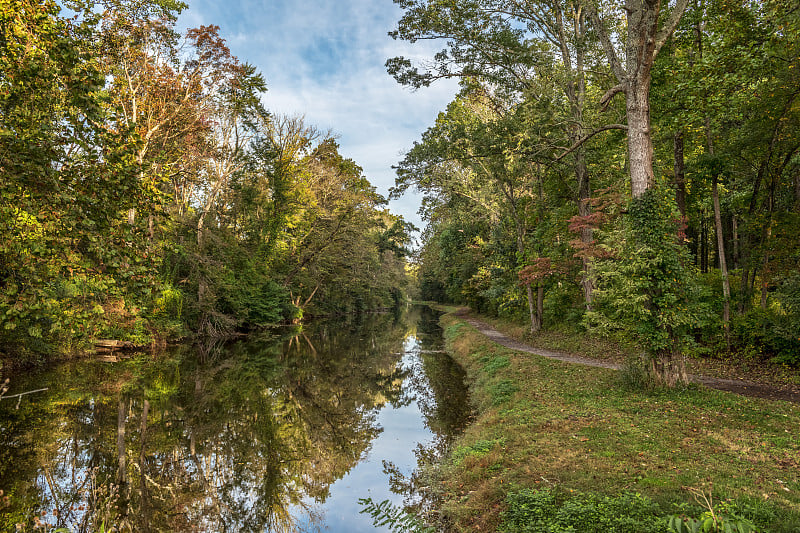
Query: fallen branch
[(20, 395)]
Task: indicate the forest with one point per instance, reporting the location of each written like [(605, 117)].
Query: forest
[(627, 172), (147, 194), (624, 174), (627, 169)]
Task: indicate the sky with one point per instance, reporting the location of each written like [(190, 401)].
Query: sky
[(324, 60)]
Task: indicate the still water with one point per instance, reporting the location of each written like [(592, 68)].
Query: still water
[(281, 433)]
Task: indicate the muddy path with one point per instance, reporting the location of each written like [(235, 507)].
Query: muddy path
[(745, 388)]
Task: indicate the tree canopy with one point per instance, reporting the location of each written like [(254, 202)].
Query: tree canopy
[(147, 193), (668, 214)]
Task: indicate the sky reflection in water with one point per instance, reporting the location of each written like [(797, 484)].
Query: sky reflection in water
[(242, 438)]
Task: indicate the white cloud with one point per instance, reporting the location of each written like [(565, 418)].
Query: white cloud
[(325, 60)]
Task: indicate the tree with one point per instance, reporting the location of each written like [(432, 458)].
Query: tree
[(66, 178), (526, 52)]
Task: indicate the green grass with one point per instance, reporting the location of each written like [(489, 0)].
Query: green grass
[(572, 428)]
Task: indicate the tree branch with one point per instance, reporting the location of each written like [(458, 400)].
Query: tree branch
[(587, 137), (605, 101), (669, 27), (605, 40)]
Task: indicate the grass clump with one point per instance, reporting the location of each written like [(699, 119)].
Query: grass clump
[(478, 449), (567, 426), (493, 363), (502, 391)]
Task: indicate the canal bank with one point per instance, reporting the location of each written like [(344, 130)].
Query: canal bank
[(552, 437)]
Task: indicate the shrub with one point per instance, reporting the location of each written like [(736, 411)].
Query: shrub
[(545, 511)]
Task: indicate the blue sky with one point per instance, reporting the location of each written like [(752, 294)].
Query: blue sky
[(324, 59)]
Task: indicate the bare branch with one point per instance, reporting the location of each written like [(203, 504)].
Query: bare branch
[(669, 27), (587, 137), (611, 53), (606, 99)]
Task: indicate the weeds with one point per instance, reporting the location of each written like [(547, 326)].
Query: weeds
[(549, 511), (714, 518)]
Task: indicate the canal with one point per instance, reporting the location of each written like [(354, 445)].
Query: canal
[(285, 431)]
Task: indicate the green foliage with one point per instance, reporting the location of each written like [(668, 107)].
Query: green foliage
[(493, 363), (502, 391), (773, 333), (477, 449), (130, 211), (398, 520), (725, 517), (710, 523), (551, 511), (649, 287)]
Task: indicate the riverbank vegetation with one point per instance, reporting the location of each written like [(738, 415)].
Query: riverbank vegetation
[(630, 172), (147, 193), (556, 444)]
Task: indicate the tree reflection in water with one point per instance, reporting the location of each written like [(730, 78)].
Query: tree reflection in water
[(233, 438)]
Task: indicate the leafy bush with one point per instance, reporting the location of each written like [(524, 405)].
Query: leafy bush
[(765, 333), (545, 511)]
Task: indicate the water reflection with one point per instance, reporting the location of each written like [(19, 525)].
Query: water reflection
[(250, 436)]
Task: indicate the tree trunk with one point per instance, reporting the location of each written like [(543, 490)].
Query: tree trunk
[(723, 267), (584, 210), (765, 269), (668, 369), (521, 230), (797, 191), (540, 305), (536, 324), (704, 244), (735, 239), (145, 496), (122, 469), (640, 143)]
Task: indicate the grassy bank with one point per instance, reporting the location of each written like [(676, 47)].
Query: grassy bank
[(566, 430)]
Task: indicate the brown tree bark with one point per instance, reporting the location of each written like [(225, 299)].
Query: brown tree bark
[(640, 142)]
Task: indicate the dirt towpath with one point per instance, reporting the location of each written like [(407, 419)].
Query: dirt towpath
[(745, 388)]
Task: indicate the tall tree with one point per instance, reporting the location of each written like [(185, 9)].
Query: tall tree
[(643, 34), (524, 50)]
